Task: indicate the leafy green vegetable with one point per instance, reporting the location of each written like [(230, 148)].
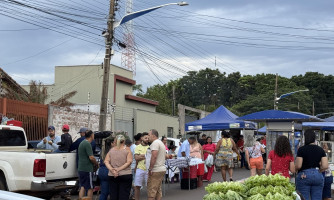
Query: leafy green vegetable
[(231, 195), (256, 197), (211, 196), (272, 187), (224, 187)]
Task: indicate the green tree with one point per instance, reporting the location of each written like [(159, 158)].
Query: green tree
[(162, 94), (207, 89), (138, 89)]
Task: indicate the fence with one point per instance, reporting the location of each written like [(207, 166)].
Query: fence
[(34, 116)]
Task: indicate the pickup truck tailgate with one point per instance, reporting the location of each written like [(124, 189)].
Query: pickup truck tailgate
[(60, 165)]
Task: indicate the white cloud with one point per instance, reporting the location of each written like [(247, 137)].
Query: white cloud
[(24, 79)]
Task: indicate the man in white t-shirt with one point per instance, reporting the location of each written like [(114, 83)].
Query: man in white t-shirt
[(156, 156)]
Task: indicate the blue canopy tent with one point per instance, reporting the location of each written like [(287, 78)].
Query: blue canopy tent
[(279, 115), (219, 119), (262, 130), (278, 121), (329, 119), (324, 126)]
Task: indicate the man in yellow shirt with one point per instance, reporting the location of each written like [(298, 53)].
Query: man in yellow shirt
[(141, 172)]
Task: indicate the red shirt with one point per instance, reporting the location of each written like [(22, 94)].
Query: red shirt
[(240, 144), (280, 164), (208, 147), (264, 141)]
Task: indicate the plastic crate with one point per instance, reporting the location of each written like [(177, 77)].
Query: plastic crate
[(14, 123), (185, 184), (200, 169), (193, 172)]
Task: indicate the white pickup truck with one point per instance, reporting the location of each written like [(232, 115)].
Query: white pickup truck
[(34, 172)]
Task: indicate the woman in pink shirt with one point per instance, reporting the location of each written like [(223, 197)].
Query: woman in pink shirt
[(208, 149), (164, 140), (196, 150), (280, 160)]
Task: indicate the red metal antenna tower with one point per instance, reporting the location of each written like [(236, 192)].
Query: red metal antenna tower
[(128, 53)]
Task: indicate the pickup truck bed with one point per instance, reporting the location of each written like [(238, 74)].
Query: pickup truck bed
[(26, 171)]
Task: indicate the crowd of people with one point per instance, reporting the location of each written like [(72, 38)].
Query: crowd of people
[(127, 166), (313, 175)]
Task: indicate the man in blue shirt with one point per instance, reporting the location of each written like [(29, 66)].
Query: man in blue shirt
[(75, 145), (49, 142), (184, 150)]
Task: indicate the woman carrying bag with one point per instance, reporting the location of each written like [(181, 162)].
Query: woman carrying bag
[(208, 150)]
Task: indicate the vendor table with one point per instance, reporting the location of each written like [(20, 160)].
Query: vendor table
[(173, 164)]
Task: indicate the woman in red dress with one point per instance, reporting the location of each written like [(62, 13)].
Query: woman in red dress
[(208, 148), (280, 160)]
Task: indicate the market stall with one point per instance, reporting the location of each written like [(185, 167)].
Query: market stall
[(191, 169), (220, 119), (280, 123)]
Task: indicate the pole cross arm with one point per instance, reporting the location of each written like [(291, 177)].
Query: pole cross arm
[(131, 16)]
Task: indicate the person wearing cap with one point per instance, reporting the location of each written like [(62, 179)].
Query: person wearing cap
[(203, 140), (75, 145), (66, 140), (49, 142)]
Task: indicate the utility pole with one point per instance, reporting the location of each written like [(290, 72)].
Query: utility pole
[(173, 100), (313, 109), (88, 110), (275, 97), (215, 61), (109, 34)]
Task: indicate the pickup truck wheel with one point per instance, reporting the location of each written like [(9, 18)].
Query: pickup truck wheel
[(3, 185)]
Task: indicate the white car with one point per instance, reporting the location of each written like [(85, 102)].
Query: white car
[(175, 142), (5, 195)]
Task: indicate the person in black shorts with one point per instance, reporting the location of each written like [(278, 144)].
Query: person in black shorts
[(86, 165)]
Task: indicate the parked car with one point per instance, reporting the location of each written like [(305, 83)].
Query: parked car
[(30, 171), (175, 142), (16, 196)]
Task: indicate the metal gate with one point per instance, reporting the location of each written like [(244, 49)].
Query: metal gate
[(124, 120), (34, 116)]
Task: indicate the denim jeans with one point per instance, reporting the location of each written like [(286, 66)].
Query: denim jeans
[(311, 186), (242, 159), (104, 182)]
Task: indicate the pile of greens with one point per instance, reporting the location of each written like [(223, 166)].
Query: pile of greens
[(272, 187)]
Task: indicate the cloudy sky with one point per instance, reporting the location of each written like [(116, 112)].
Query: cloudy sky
[(284, 37)]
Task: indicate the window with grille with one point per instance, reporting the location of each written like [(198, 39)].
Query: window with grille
[(170, 131)]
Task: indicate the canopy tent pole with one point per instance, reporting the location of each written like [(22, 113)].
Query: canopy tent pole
[(293, 137), (269, 140)]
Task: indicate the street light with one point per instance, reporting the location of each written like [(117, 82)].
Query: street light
[(109, 52), (287, 94), (131, 16)]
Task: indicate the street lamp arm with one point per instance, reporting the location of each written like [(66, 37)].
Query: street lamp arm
[(290, 93), (131, 16)]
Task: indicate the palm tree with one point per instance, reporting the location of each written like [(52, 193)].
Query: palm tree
[(38, 92)]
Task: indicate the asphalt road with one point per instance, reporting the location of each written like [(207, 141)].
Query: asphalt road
[(174, 192)]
